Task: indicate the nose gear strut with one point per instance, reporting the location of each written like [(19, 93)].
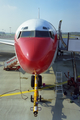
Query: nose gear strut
[(37, 79)]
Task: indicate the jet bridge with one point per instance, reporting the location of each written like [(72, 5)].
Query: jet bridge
[(73, 46)]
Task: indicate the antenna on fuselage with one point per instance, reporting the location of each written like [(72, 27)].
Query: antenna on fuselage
[(38, 13)]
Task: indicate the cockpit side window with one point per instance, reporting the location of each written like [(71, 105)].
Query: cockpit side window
[(51, 34), (19, 34)]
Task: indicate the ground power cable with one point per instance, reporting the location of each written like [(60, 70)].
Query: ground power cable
[(1, 95), (21, 90)]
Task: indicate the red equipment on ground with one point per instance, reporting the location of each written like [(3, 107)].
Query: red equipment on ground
[(11, 64), (71, 81)]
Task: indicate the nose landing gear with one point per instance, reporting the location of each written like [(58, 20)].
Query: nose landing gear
[(36, 82)]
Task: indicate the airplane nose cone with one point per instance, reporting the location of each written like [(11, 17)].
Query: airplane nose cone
[(35, 50), (37, 54)]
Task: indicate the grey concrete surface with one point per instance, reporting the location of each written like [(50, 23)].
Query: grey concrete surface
[(17, 107)]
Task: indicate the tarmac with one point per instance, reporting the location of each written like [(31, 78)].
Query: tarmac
[(16, 106)]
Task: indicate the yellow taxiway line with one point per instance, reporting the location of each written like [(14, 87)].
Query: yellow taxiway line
[(11, 94)]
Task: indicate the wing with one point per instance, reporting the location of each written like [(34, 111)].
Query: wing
[(8, 42)]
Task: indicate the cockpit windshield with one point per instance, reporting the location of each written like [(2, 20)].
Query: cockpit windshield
[(35, 34), (27, 34)]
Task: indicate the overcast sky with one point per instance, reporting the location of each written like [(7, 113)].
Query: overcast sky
[(15, 12)]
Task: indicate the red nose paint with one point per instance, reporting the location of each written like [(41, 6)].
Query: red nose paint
[(35, 54)]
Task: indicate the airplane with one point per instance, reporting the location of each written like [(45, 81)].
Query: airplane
[(36, 46)]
